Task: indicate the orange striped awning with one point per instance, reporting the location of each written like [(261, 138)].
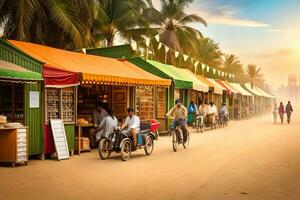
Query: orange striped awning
[(92, 69)]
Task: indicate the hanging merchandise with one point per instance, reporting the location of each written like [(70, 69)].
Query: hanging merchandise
[(176, 54), (185, 57), (159, 46)]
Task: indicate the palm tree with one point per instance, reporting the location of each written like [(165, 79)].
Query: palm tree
[(232, 65), (209, 52), (60, 23), (254, 75), (171, 22), (118, 17)]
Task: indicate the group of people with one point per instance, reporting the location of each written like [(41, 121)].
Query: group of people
[(105, 122), (281, 110), (208, 111)]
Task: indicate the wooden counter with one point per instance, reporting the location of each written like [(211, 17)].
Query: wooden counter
[(14, 145)]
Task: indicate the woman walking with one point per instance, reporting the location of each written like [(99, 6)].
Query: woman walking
[(281, 112), (275, 113)]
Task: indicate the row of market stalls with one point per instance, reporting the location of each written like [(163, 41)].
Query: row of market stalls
[(39, 83)]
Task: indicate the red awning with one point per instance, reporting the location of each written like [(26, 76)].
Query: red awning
[(228, 90), (53, 76)]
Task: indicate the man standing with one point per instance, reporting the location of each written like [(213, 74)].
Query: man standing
[(98, 114), (289, 110), (132, 125)]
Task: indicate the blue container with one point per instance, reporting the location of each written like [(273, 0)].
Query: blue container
[(140, 139)]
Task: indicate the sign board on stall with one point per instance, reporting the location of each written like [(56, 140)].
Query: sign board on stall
[(60, 140), (34, 99)]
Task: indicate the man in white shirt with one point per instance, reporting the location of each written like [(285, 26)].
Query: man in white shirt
[(132, 125), (212, 112)]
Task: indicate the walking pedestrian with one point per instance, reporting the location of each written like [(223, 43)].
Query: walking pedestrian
[(288, 110), (281, 112), (275, 113)]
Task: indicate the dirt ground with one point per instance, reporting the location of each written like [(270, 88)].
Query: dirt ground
[(253, 159)]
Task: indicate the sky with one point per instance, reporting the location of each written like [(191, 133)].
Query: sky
[(261, 32)]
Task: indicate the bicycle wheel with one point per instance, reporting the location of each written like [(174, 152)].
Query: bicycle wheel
[(126, 150), (187, 141), (174, 140), (104, 148), (149, 145)]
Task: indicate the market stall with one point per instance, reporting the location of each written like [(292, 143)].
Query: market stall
[(20, 86), (15, 105), (165, 97), (116, 79)]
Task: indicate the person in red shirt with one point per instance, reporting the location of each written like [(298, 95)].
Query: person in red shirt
[(281, 112)]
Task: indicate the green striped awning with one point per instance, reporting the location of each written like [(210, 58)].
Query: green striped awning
[(15, 73)]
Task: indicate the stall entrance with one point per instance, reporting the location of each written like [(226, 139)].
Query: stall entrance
[(12, 101), (115, 97)]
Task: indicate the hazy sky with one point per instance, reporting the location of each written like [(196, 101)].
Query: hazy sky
[(262, 32)]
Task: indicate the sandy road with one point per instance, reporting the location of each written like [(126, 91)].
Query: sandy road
[(252, 159)]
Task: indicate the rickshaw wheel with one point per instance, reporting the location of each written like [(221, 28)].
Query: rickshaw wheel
[(187, 142), (126, 150), (149, 145), (104, 148), (174, 140)]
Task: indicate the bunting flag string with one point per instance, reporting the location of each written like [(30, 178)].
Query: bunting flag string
[(147, 41)]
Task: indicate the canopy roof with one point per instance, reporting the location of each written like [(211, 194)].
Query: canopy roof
[(218, 89), (15, 73), (180, 81), (228, 88), (265, 93), (197, 83), (253, 90), (240, 89), (180, 76), (93, 69)]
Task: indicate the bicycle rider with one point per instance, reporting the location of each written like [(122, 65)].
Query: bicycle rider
[(179, 112)]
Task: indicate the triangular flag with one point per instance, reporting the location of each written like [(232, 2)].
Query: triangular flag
[(219, 73), (185, 57), (166, 49), (133, 45), (233, 75), (192, 60), (159, 46), (84, 50), (176, 54), (207, 68), (229, 75), (196, 63), (203, 67), (147, 42), (157, 38), (226, 74), (222, 73), (214, 71)]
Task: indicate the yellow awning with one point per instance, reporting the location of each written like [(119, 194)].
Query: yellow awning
[(93, 69)]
